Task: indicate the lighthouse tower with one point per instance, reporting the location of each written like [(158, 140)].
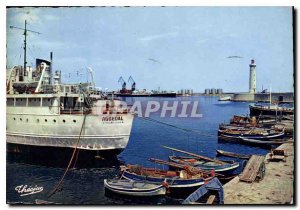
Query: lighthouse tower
[(252, 78)]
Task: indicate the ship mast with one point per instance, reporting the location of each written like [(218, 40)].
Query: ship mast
[(25, 39)]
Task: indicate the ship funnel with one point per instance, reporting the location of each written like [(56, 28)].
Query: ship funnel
[(51, 71)]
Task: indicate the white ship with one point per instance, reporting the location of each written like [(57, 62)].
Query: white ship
[(43, 112)]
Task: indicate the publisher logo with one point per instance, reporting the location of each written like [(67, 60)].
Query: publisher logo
[(24, 190)]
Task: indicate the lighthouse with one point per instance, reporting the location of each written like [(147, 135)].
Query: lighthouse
[(252, 78)]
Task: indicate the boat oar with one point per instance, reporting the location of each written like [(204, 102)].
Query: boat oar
[(176, 165), (195, 155)]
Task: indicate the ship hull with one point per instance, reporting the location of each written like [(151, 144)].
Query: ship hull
[(60, 156), (84, 143), (92, 132), (167, 95)]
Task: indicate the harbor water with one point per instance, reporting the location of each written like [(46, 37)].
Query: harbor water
[(84, 185)]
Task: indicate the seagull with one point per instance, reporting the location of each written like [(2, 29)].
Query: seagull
[(153, 60), (234, 56)]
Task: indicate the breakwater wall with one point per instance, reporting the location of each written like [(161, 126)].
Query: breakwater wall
[(287, 97)]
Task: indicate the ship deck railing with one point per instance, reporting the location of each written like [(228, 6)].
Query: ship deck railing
[(97, 110), (71, 89)]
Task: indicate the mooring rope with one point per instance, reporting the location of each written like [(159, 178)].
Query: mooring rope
[(177, 127), (70, 162)]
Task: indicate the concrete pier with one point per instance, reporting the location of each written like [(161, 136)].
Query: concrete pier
[(277, 187)]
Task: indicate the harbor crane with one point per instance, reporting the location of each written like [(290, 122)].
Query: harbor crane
[(122, 81), (132, 83)]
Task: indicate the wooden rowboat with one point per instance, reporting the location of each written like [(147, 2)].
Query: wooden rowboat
[(203, 163), (134, 188), (231, 154), (262, 142), (225, 168), (173, 179), (257, 134)]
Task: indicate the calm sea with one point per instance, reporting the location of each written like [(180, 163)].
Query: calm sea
[(84, 185)]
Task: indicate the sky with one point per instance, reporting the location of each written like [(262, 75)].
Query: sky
[(170, 48)]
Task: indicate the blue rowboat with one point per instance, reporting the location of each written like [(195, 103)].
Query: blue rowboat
[(173, 179), (134, 188), (213, 185), (223, 168)]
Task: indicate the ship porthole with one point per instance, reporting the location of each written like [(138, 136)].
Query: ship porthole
[(20, 119), (45, 120), (54, 120), (26, 120), (74, 121), (14, 118), (64, 121)]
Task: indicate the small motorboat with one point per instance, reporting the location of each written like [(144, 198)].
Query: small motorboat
[(172, 179), (231, 154), (134, 188), (222, 168), (225, 98)]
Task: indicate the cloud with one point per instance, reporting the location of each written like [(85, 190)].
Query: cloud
[(34, 16), (158, 36), (21, 14), (51, 17)]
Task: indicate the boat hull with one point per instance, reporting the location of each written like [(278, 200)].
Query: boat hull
[(222, 169), (225, 98), (85, 143), (252, 142), (152, 190), (227, 135), (93, 132), (262, 142), (257, 111), (167, 95), (173, 182), (231, 154), (60, 156)]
